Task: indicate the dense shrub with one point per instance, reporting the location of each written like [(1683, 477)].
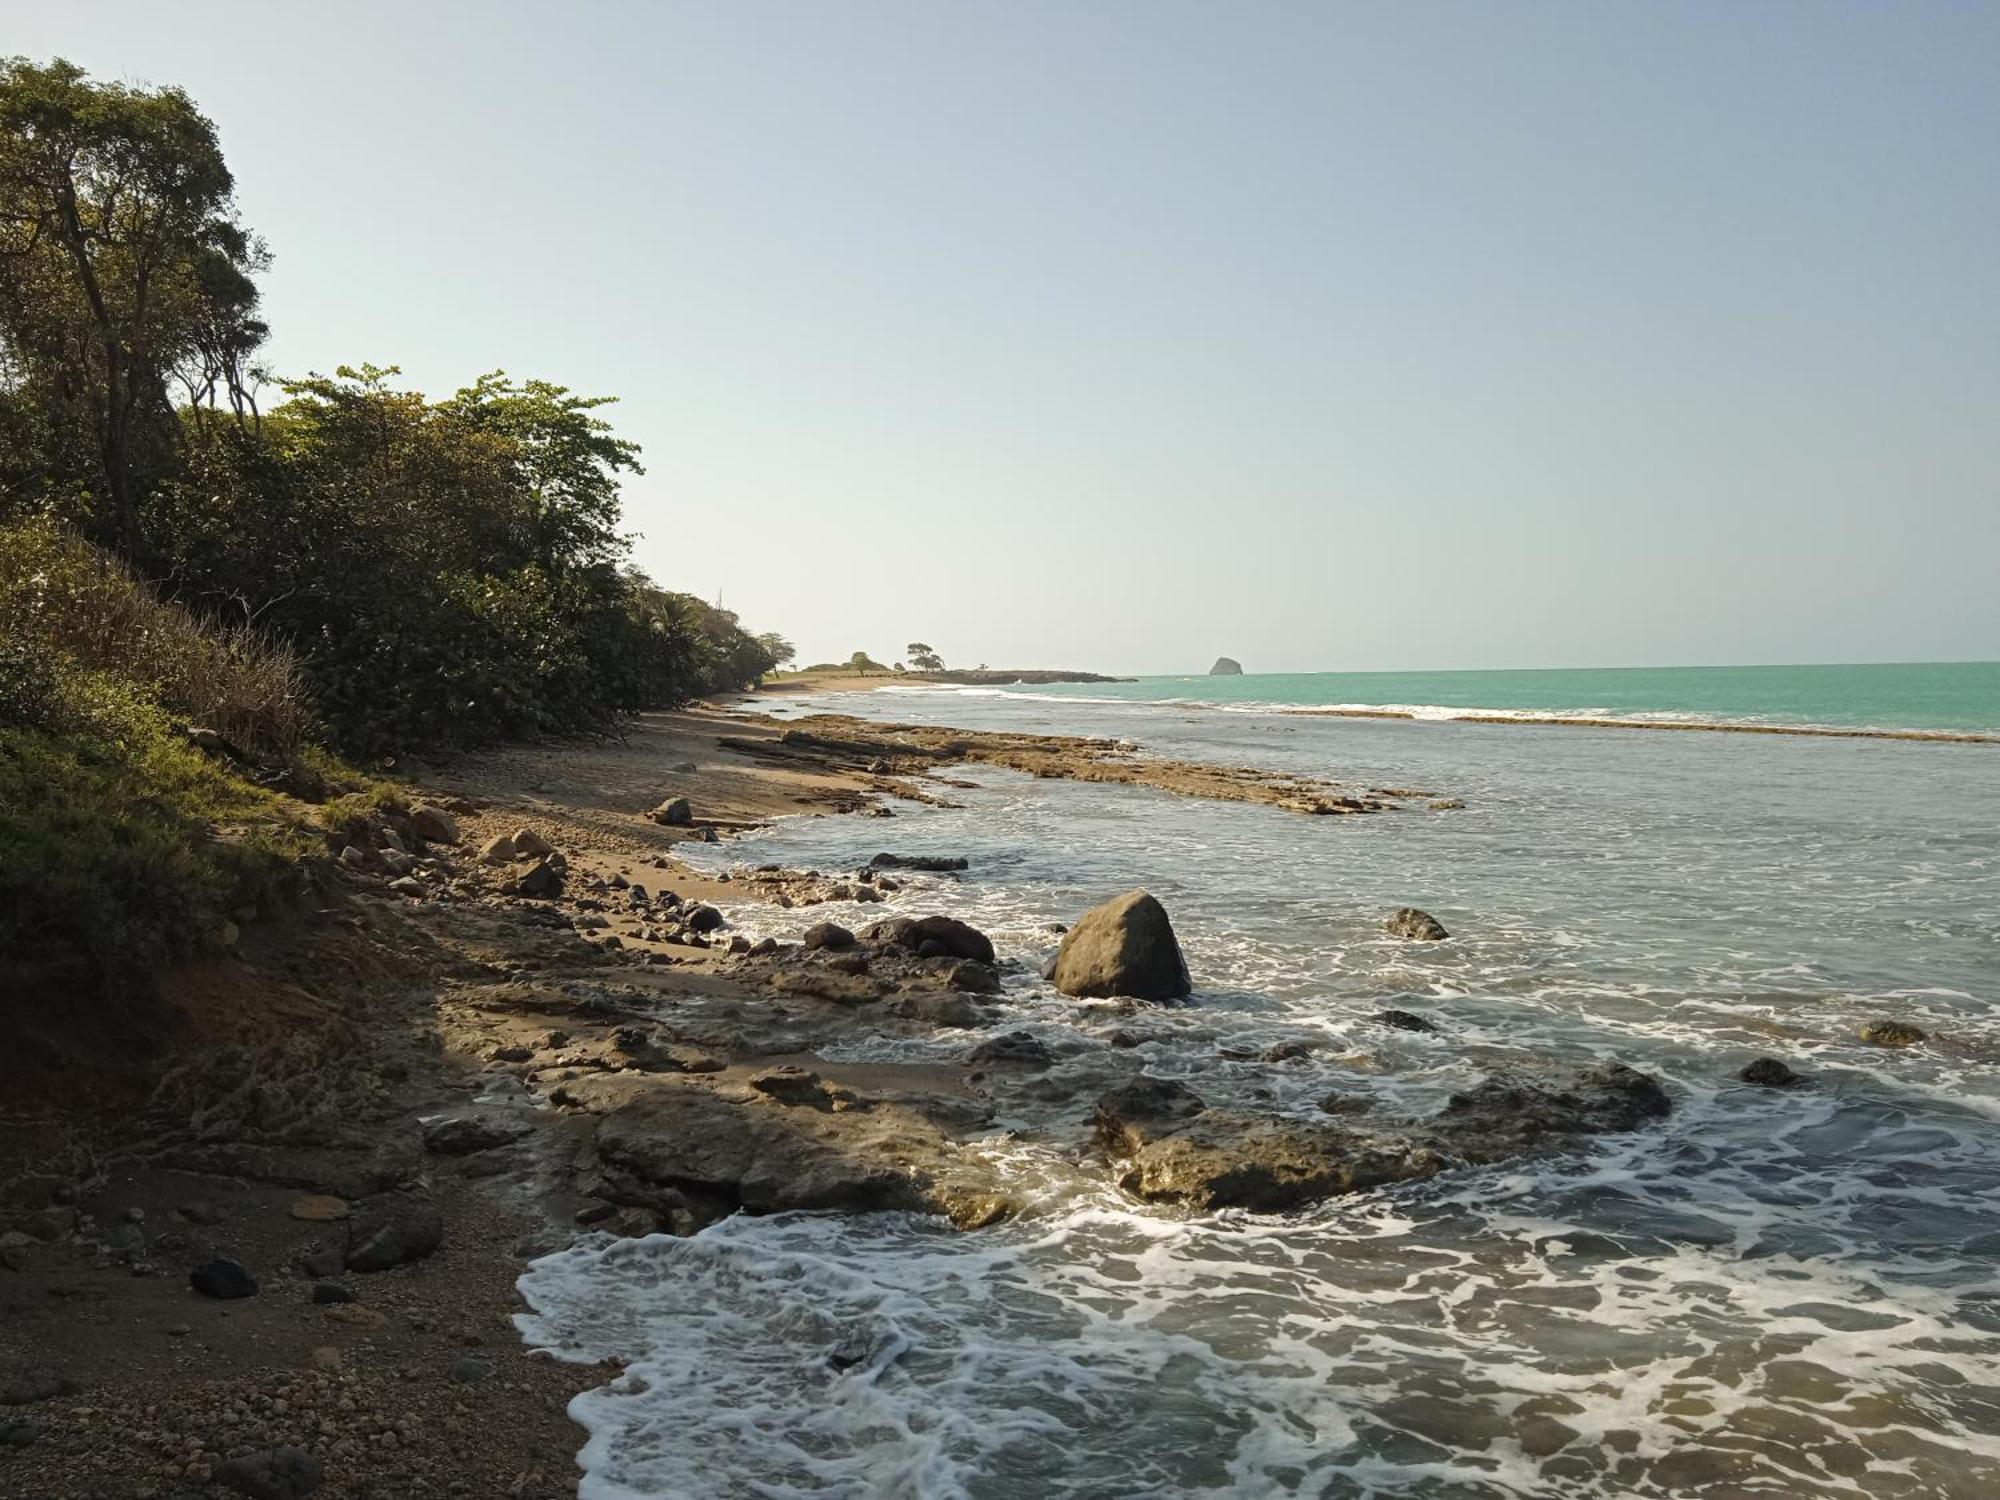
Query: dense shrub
[(73, 619)]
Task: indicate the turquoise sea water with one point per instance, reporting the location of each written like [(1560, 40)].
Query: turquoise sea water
[(1959, 697)]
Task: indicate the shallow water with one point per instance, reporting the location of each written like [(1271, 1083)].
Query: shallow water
[(1776, 1294)]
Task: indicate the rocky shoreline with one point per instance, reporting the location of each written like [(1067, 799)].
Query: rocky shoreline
[(509, 1015)]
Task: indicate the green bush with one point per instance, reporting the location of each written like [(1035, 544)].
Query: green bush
[(123, 846)]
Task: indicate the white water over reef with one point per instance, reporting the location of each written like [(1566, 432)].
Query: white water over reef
[(1775, 1294)]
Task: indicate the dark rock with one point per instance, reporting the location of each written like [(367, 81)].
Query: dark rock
[(932, 948), (1288, 1051), (1226, 666), (1604, 1098), (470, 1370), (973, 977), (1124, 947), (676, 1146), (940, 1010), (704, 919), (1176, 1151), (1131, 1113), (512, 1054), (461, 1135), (675, 812), (1403, 1020), (1770, 1073), (1415, 926), (790, 1085), (542, 882), (18, 1433), (223, 1278), (331, 1294), (954, 938), (324, 1261), (1892, 1034), (931, 862), (595, 1213), (848, 963), (830, 935), (274, 1474), (1015, 1049), (392, 1230), (433, 825)]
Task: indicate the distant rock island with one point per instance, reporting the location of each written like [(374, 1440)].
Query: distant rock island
[(1226, 666)]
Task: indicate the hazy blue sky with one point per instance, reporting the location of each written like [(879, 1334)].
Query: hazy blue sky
[(1124, 335)]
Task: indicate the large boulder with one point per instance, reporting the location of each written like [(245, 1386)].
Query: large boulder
[(944, 937), (1226, 666), (675, 812), (433, 824), (1124, 947)]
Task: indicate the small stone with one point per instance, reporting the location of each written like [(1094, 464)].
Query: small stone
[(1404, 1020), (319, 1208), (223, 1278), (470, 1369), (1288, 1051), (326, 1359), (331, 1294)]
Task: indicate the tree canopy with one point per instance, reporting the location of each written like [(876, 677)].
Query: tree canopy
[(443, 569)]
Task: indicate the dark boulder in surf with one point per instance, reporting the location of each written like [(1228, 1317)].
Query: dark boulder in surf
[(933, 863), (1126, 947), (1768, 1072), (1415, 926), (1403, 1020), (946, 937)]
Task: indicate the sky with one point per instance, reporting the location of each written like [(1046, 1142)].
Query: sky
[(1122, 336)]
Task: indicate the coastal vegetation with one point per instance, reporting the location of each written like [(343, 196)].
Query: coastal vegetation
[(215, 582)]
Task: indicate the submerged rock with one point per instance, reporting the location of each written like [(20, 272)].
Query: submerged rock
[(1404, 1020), (1892, 1034), (1770, 1073), (1124, 947), (1415, 926), (935, 863), (1175, 1149)]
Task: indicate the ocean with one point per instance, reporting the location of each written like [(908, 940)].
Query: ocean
[(1777, 1293), (1928, 697)]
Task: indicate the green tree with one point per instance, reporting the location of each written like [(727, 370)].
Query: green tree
[(923, 658), (777, 648), (123, 268)]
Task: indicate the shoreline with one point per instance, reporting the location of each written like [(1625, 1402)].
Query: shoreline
[(601, 1058), (1447, 715)]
